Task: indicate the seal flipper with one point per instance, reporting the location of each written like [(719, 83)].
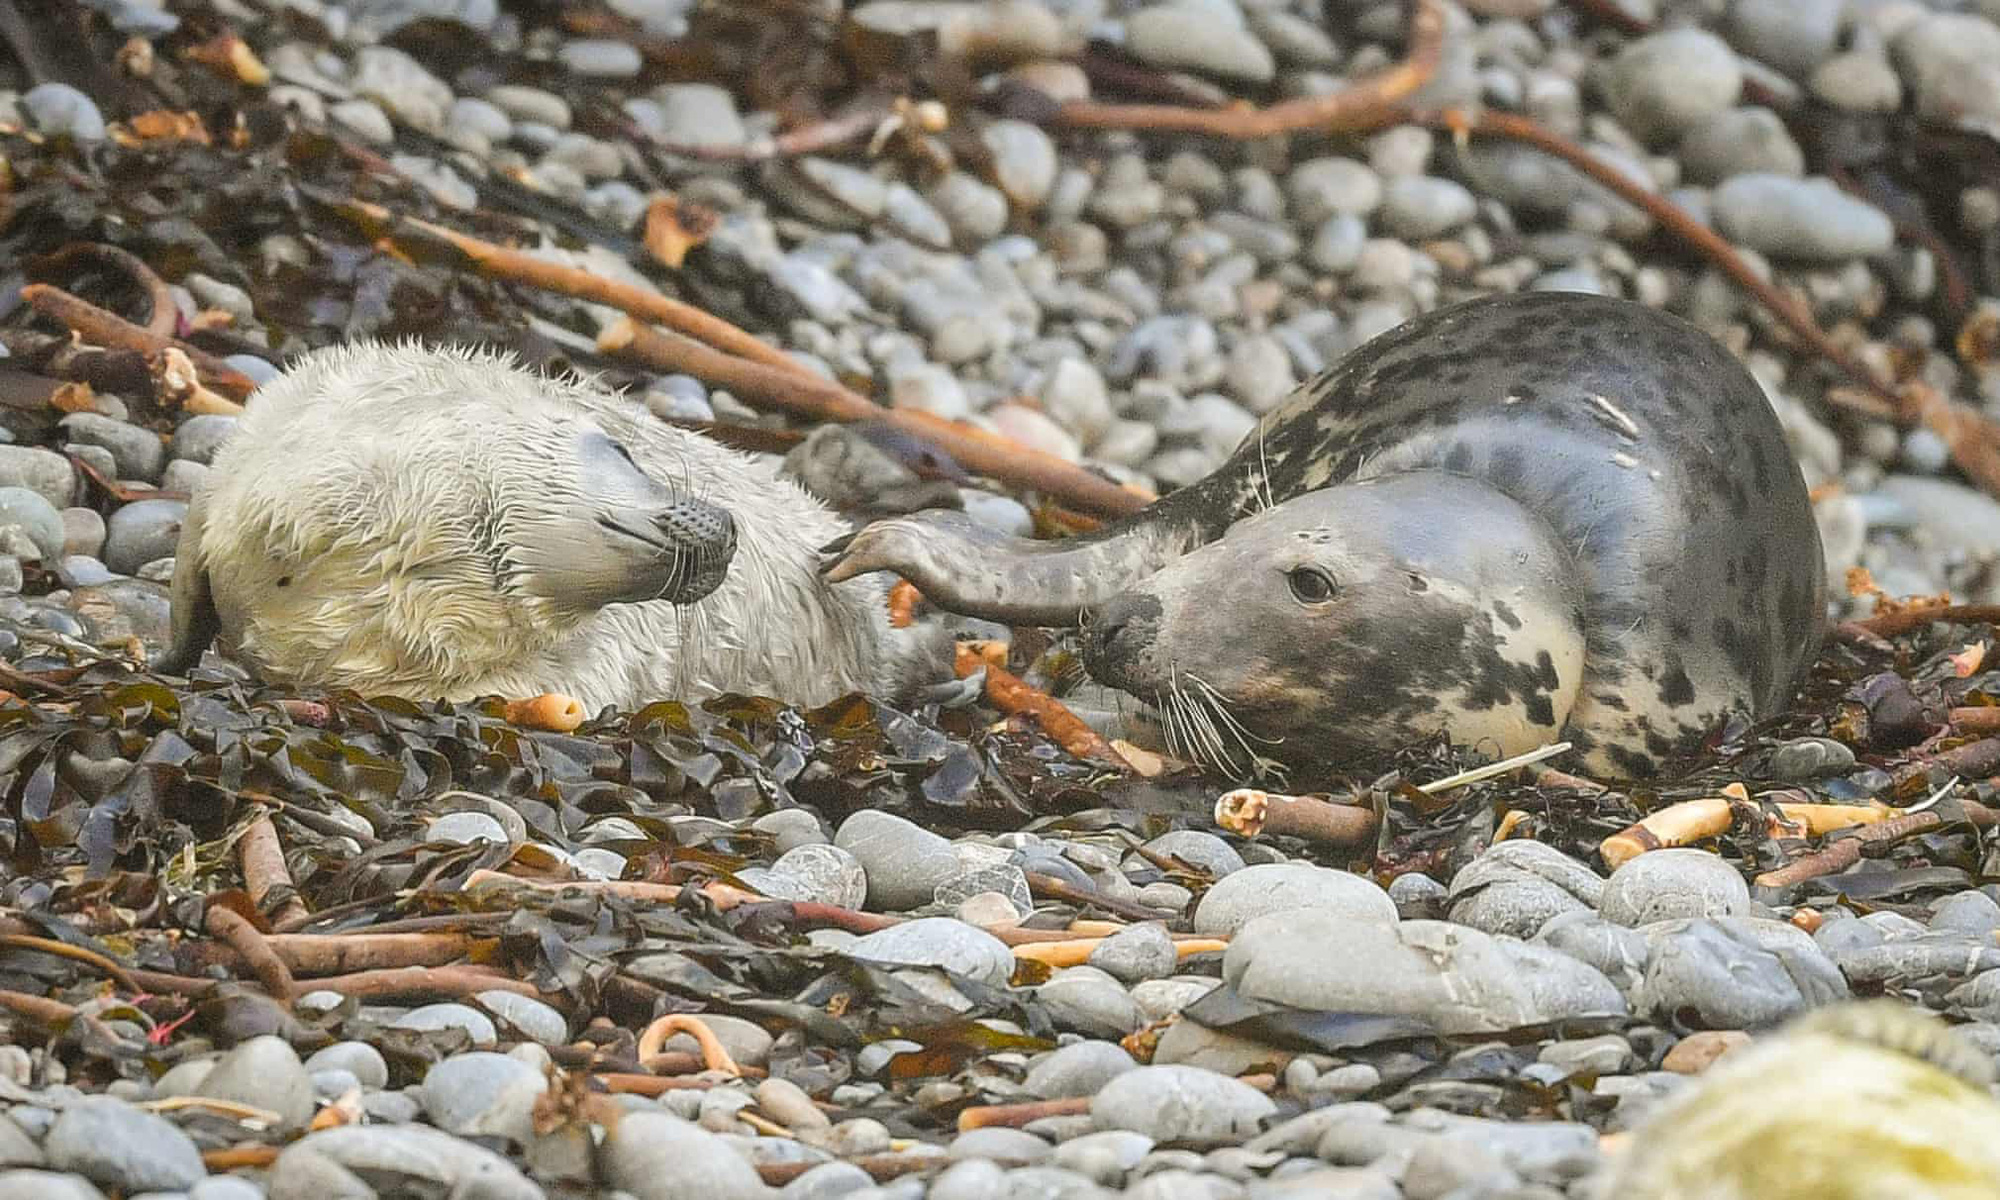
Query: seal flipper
[(196, 623)]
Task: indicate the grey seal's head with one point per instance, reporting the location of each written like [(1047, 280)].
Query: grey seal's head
[(401, 518), (1361, 616)]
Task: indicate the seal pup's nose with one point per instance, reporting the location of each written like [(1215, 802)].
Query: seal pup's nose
[(703, 539), (1118, 645)]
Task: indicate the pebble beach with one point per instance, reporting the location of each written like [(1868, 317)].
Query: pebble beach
[(745, 951)]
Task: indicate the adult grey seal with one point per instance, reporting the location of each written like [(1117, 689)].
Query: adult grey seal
[(440, 523), (1516, 519)]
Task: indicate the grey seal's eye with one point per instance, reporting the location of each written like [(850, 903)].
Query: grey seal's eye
[(1310, 585)]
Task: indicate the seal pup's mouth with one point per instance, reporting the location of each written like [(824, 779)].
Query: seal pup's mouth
[(689, 546)]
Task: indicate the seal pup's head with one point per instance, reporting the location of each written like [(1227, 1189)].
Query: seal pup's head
[(1363, 616), (402, 518)]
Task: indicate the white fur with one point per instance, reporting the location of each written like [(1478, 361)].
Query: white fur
[(362, 476)]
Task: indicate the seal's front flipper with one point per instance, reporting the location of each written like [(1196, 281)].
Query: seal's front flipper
[(196, 623)]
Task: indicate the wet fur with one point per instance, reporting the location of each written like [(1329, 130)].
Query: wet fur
[(399, 490)]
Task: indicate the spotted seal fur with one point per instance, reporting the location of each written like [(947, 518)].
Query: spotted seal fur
[(1515, 519), (441, 523)]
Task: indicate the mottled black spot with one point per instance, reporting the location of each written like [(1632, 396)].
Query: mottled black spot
[(1506, 615), (1676, 689), (1610, 700), (1458, 458), (1658, 744), (1632, 763)]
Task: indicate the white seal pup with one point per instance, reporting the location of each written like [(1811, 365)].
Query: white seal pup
[(443, 524), (1516, 520)]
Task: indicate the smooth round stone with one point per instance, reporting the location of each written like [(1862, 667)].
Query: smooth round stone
[(1012, 1146), (1189, 36), (939, 942), (1078, 1069), (600, 58), (482, 1094), (658, 1156), (1075, 395), (1452, 978), (225, 1187), (533, 104), (1967, 912), (140, 532), (1336, 244), (450, 1016), (402, 85), (263, 1072), (360, 1059), (1604, 1055), (1423, 206), (137, 452), (1811, 758), (46, 1185), (1105, 1157), (1952, 64), (1519, 885), (1259, 373), (971, 1179), (1417, 896), (43, 472), (1741, 141), (1024, 161), (1664, 84), (694, 114), (929, 388), (1252, 892), (1791, 35), (1666, 884), (29, 525), (17, 1148), (1734, 973), (1185, 1105), (1699, 1050), (976, 212), (469, 114), (118, 1146), (197, 438), (365, 119), (362, 1161), (790, 828), (1089, 1001), (1858, 81), (1143, 951), (465, 828), (904, 861), (58, 109), (535, 1020), (1808, 219)]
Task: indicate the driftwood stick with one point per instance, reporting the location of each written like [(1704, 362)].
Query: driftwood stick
[(265, 873), (799, 391), (110, 330)]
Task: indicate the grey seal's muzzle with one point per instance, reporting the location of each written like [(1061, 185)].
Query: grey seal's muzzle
[(1119, 643)]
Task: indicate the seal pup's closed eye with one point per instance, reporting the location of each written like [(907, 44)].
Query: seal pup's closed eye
[(441, 523)]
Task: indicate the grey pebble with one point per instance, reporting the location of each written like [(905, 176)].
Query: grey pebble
[(142, 531), (197, 438), (1011, 1146), (600, 58), (46, 1185), (535, 1020), (534, 104), (975, 211), (1139, 952), (365, 118), (225, 1187), (59, 109), (1811, 758), (479, 1093), (1952, 64), (1791, 35), (1259, 373), (1518, 886), (825, 873), (1858, 81), (137, 452), (1242, 896), (939, 942), (17, 1149), (1089, 1001), (1336, 244), (1197, 37), (450, 1016), (1734, 973), (1967, 912), (1105, 1156), (263, 1072), (42, 471), (1664, 84), (904, 861), (122, 1147), (1799, 218), (397, 1160), (697, 114), (657, 1156), (1024, 161), (1078, 1069), (29, 526), (1422, 206), (746, 1041), (1678, 882), (1181, 1104), (402, 85), (1741, 141)]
